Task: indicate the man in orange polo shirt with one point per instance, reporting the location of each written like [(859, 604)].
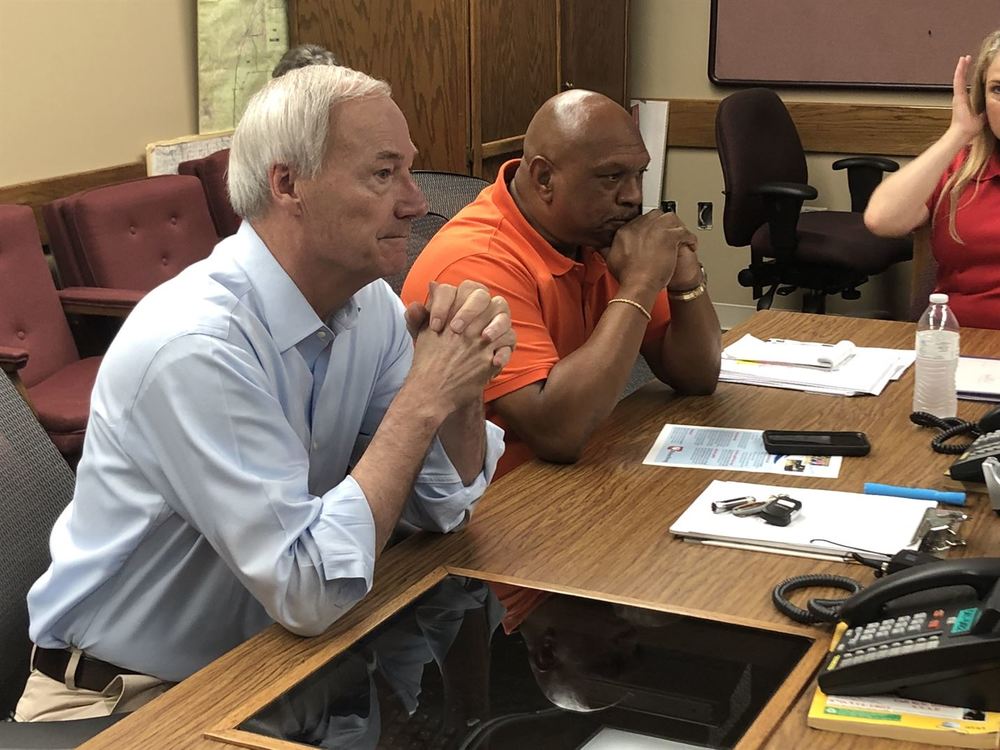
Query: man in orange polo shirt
[(590, 282)]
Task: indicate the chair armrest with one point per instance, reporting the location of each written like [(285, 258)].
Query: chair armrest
[(797, 190), (783, 202), (93, 300), (879, 162), (864, 173), (12, 359)]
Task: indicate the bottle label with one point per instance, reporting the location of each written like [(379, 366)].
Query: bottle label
[(937, 345)]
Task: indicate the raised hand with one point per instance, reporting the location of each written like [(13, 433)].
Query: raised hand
[(963, 120)]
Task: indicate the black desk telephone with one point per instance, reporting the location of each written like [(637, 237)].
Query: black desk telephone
[(968, 467), (929, 633)]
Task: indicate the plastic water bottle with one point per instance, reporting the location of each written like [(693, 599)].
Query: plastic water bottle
[(937, 359)]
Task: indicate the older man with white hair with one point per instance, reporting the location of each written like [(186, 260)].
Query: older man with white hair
[(264, 419)]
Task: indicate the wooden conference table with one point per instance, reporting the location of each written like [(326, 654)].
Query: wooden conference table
[(599, 528)]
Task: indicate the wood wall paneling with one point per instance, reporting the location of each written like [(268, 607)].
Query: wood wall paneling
[(421, 48), (594, 49), (516, 43), (825, 127)]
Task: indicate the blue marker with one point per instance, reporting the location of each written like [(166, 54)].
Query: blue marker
[(917, 493)]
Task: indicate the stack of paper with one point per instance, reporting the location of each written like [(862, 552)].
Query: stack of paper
[(828, 523), (868, 370), (978, 379)]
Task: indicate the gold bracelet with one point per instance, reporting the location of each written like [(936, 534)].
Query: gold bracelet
[(634, 304), (688, 295)]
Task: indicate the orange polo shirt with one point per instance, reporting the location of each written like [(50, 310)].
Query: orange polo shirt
[(555, 302)]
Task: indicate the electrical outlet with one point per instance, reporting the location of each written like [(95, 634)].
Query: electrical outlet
[(704, 214)]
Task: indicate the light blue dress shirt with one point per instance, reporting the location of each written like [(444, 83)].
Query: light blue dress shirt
[(213, 495)]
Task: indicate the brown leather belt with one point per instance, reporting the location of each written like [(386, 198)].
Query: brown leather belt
[(91, 673)]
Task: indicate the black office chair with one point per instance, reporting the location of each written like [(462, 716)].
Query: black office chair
[(447, 193), (35, 486), (766, 181)]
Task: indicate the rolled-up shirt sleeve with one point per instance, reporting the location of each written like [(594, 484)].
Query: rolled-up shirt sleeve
[(226, 459), (440, 501)]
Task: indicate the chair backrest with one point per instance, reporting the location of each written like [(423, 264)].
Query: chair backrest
[(421, 231), (58, 225), (138, 234), (923, 277), (31, 316), (757, 143), (447, 194), (35, 486), (211, 171)]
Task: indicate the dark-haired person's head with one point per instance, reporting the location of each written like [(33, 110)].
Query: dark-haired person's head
[(301, 56)]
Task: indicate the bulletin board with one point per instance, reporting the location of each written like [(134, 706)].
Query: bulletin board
[(886, 44)]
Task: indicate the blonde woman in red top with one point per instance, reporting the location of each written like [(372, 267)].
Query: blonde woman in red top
[(953, 188)]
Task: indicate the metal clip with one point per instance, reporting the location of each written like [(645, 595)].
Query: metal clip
[(939, 530), (750, 509), (726, 506)]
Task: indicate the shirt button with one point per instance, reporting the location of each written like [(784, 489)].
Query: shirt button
[(321, 334), (20, 335)]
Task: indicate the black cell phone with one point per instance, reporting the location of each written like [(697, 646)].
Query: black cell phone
[(816, 443)]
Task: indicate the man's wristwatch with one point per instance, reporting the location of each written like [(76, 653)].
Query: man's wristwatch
[(686, 295)]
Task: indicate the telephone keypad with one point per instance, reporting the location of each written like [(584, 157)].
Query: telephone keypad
[(890, 637)]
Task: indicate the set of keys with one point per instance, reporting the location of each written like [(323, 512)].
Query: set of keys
[(777, 510)]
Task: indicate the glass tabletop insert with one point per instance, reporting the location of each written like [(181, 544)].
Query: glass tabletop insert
[(475, 665)]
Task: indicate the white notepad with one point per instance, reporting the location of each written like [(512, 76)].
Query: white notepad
[(829, 522)]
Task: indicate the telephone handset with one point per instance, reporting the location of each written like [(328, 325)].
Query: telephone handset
[(968, 467), (929, 633)]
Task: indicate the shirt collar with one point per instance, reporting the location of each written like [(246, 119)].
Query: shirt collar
[(992, 168), (289, 317), (557, 263)]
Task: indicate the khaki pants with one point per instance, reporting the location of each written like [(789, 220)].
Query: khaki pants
[(45, 699)]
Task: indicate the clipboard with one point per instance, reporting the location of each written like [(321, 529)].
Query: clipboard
[(830, 523)]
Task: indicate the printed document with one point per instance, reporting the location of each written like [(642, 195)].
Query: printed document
[(689, 447)]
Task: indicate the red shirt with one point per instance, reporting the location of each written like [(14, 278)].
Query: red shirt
[(555, 302), (969, 273)]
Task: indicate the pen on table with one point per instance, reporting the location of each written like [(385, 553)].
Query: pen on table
[(916, 493), (792, 341)]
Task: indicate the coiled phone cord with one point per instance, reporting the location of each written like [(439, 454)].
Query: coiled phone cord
[(819, 610), (950, 427)]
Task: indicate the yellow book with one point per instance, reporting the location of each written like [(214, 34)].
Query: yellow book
[(903, 719)]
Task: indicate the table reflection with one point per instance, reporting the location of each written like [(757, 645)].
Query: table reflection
[(456, 669)]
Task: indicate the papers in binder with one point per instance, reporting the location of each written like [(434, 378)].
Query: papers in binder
[(868, 371), (788, 352), (829, 522)]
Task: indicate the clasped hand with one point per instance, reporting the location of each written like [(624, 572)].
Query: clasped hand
[(462, 338), (653, 250)]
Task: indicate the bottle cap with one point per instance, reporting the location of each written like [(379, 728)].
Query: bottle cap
[(939, 299)]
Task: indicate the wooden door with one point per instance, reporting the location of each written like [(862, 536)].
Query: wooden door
[(594, 36), (421, 47), (515, 67)]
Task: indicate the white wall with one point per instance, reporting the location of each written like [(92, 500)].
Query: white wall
[(86, 84)]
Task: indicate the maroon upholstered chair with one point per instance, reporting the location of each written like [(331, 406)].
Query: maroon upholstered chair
[(37, 350), (211, 170), (130, 236)]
